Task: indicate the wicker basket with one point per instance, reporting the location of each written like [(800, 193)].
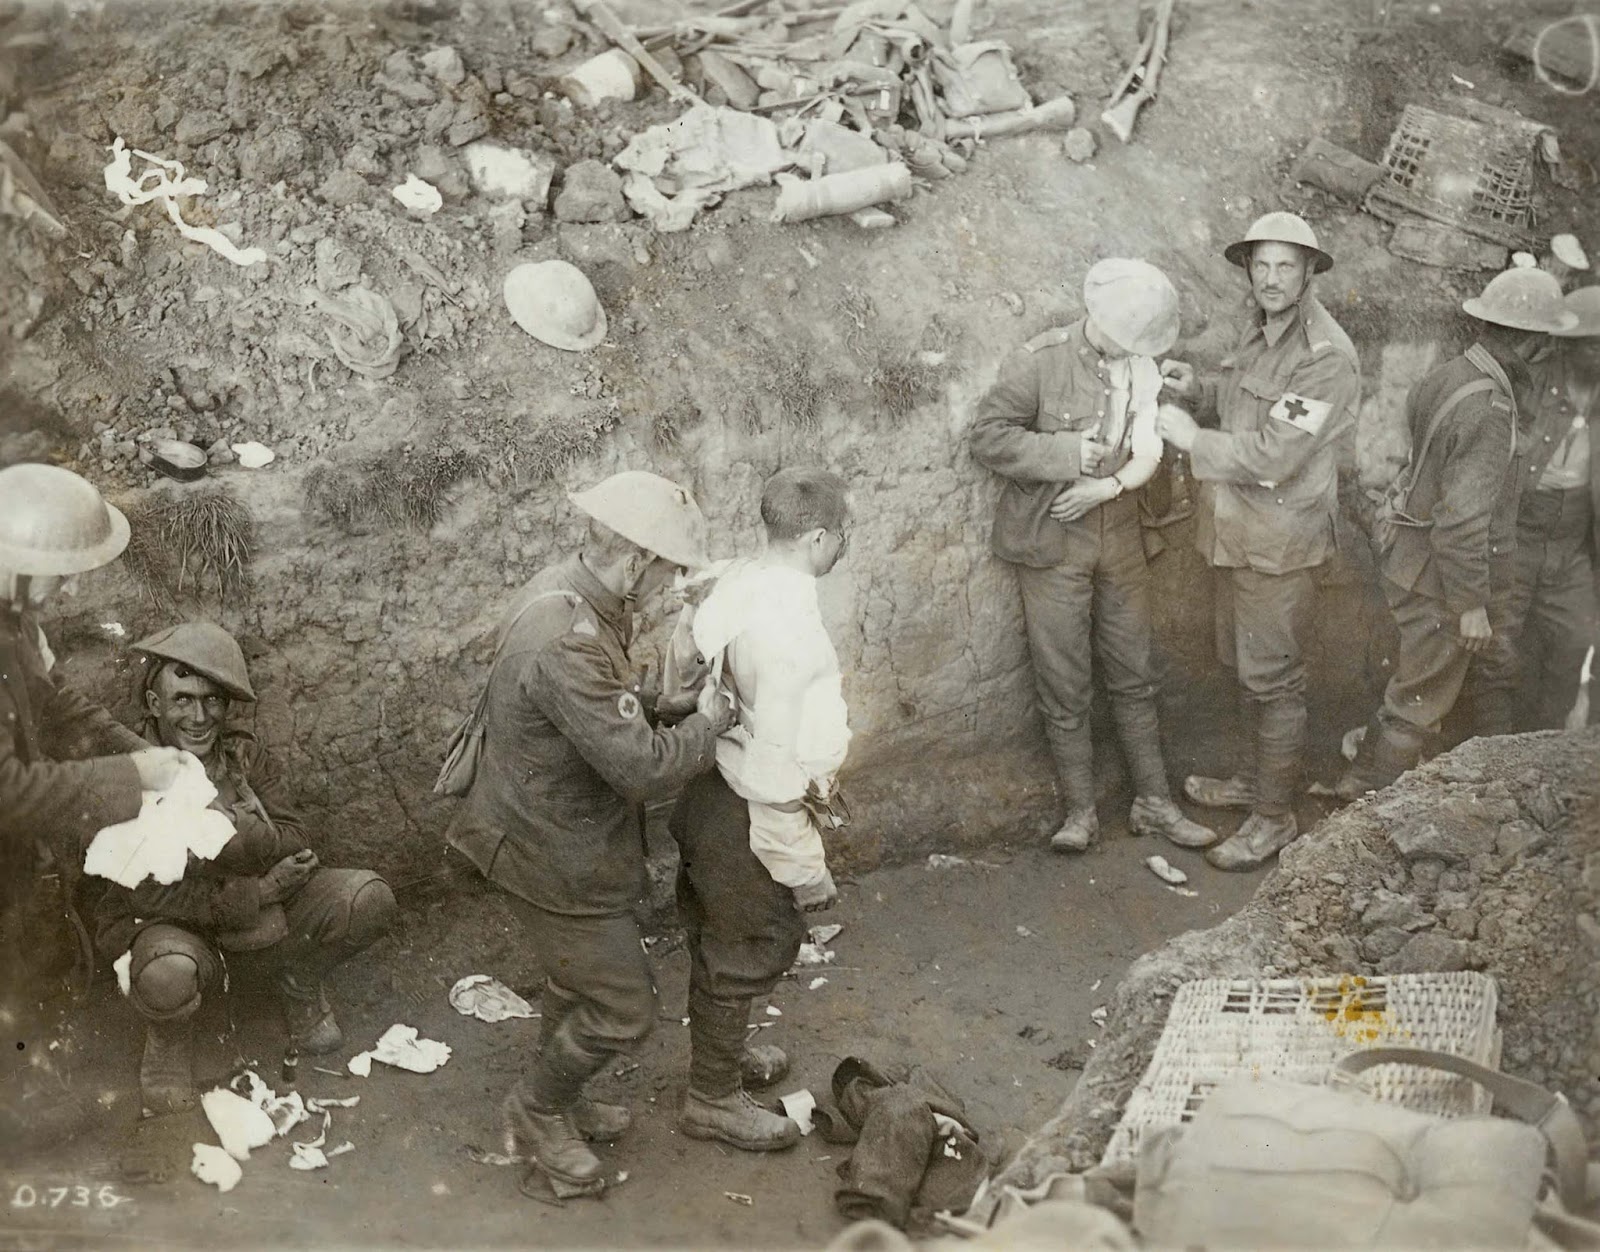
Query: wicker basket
[(1297, 1029)]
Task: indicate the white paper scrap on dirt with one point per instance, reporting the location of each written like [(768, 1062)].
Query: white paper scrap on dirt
[(774, 1011), (488, 999), (419, 196), (164, 181), (307, 1157), (822, 935), (798, 1107), (400, 1047), (812, 955), (816, 982), (171, 824), (253, 455), (942, 860), (239, 1124), (286, 1111), (1165, 871), (211, 1164)]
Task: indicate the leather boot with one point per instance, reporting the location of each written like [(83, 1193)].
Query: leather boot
[(1220, 793), (1157, 815), (547, 1139), (1081, 829), (1382, 757), (166, 1072), (716, 1105), (307, 1013), (1257, 841), (594, 1120)]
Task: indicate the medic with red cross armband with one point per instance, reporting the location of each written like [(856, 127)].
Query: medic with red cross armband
[(1269, 494)]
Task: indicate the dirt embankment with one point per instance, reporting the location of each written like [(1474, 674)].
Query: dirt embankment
[(1487, 858)]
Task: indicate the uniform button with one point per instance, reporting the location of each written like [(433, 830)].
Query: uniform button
[(1280, 499), (1547, 438)]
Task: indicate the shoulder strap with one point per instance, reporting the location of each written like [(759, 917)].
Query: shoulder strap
[(1436, 423), (1525, 1101), (483, 696)]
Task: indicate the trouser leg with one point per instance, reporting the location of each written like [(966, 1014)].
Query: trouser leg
[(1429, 672), (335, 915), (1124, 649), (1056, 608), (610, 1000), (1566, 619), (1495, 676), (1272, 615)]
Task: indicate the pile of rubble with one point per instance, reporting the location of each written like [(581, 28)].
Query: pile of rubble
[(1487, 858)]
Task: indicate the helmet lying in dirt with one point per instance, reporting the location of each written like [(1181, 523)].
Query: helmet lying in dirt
[(651, 511), (1584, 304), (1522, 299), (556, 304), (54, 522), (1279, 227), (1134, 303), (205, 648)]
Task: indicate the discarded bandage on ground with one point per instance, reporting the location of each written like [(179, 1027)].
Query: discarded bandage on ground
[(172, 826), (164, 181), (675, 170), (400, 1047), (248, 1115), (488, 999), (367, 337), (915, 1153)]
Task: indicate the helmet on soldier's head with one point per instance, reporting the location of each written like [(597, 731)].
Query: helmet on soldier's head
[(555, 303), (1583, 304), (1133, 303), (1279, 227), (54, 522), (651, 511), (205, 648), (1522, 299)]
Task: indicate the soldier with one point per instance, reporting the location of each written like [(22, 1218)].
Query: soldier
[(753, 860), (67, 769), (1551, 616), (1447, 543), (570, 752), (1070, 424), (265, 893), (1269, 494)]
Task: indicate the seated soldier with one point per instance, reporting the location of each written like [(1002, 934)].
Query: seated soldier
[(264, 893)]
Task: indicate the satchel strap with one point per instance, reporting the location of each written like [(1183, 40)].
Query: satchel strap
[(483, 696), (1435, 424), (1527, 1102)]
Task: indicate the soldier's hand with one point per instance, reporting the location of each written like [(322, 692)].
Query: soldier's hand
[(717, 705), (1075, 501), (670, 710), (287, 876), (1176, 426), (158, 767), (1475, 631), (1092, 453), (819, 896), (1178, 378)]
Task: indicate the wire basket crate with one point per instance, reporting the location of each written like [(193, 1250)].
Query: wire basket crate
[(1472, 173), (1297, 1029)]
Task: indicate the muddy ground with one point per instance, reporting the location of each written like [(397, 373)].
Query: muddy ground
[(932, 966)]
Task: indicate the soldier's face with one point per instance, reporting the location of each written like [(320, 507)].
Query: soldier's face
[(655, 576), (43, 588), (1277, 275), (189, 710)]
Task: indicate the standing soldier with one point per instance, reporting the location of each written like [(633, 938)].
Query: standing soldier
[(1071, 425), (570, 753), (1449, 526), (67, 769), (1551, 614), (1269, 495)]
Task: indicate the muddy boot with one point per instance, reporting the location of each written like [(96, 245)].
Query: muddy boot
[(307, 1014), (594, 1120), (1220, 793), (1381, 758), (762, 1064), (1156, 815), (166, 1073), (716, 1105), (1256, 842), (548, 1141), (1080, 830)]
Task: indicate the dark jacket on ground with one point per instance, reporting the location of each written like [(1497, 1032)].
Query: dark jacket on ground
[(224, 894), (58, 779), (1549, 418), (1029, 429), (1467, 487), (569, 753)]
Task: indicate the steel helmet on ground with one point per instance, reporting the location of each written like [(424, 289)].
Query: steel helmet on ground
[(1133, 303), (651, 511), (205, 648), (1522, 299), (1279, 227), (555, 303), (1584, 304), (52, 521)]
